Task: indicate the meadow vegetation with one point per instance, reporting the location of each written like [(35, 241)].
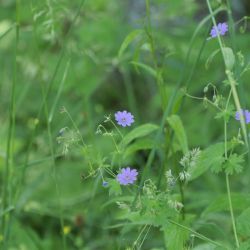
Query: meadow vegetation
[(124, 125)]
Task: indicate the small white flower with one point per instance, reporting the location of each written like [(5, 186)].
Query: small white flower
[(184, 175)]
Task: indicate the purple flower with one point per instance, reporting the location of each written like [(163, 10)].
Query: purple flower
[(222, 29), (127, 176), (105, 183), (245, 114), (124, 118)]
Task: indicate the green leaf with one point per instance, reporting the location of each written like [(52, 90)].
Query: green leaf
[(175, 237), (147, 68), (142, 144), (244, 245), (129, 38), (226, 114), (210, 58), (139, 132), (239, 202), (229, 57), (205, 246), (243, 224), (114, 187), (234, 164), (176, 124), (211, 157)]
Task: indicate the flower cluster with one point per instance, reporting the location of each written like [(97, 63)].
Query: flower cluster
[(190, 158), (123, 118), (188, 161), (222, 28), (245, 114), (127, 175), (170, 179), (149, 189)]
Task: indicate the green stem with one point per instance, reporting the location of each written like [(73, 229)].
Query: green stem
[(227, 179), (54, 173), (7, 189), (198, 235), (159, 78), (231, 212)]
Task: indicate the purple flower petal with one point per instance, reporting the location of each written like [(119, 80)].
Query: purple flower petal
[(222, 29), (245, 115), (124, 118), (127, 176)]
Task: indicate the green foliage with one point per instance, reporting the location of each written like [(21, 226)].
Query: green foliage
[(175, 237), (139, 144), (229, 58), (239, 202), (138, 132), (66, 65), (129, 38), (114, 187), (176, 124), (243, 225), (234, 164), (210, 158), (145, 67)]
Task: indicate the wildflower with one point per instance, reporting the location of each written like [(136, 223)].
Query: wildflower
[(184, 176), (190, 158), (222, 29), (170, 179), (245, 114), (61, 131), (124, 118), (176, 205), (105, 183), (127, 176), (149, 189), (66, 230)]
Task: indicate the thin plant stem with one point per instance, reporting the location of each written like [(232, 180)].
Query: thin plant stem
[(54, 174), (159, 78), (231, 212), (198, 235), (228, 186), (145, 236), (117, 129), (233, 83), (7, 185)]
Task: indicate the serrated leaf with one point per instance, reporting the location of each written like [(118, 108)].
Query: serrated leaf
[(225, 114), (229, 57), (234, 164), (176, 124), (239, 202), (243, 223), (147, 68), (138, 132), (129, 38), (210, 158)]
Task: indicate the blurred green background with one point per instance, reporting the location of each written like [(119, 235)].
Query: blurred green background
[(64, 61)]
